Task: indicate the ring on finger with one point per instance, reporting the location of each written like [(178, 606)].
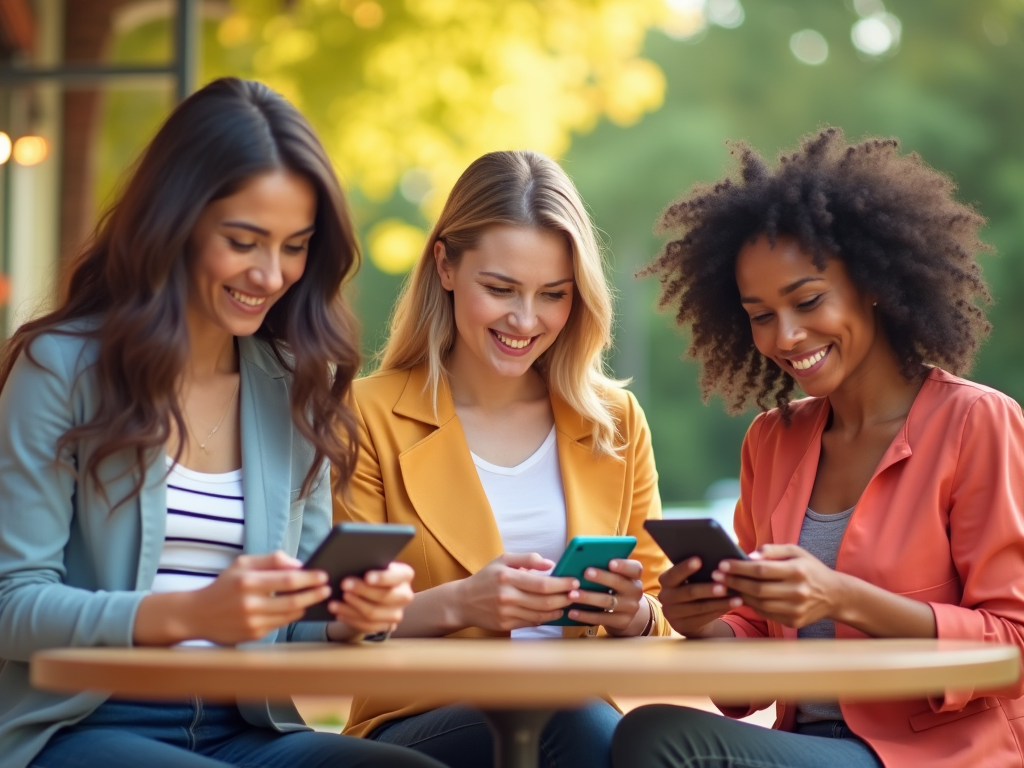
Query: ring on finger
[(615, 602)]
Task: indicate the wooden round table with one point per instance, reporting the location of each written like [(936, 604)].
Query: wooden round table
[(519, 684)]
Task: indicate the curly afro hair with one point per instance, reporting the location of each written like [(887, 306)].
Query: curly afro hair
[(891, 219)]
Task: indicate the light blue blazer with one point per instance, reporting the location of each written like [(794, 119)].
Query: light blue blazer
[(73, 569)]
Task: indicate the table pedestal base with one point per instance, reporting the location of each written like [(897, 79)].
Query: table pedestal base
[(517, 735)]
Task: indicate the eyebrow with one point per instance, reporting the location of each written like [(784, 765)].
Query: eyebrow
[(513, 281), (261, 231), (782, 291)]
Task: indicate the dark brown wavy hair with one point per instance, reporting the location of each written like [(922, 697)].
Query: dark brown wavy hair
[(133, 279), (890, 218)]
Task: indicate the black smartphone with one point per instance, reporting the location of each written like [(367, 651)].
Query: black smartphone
[(700, 537), (352, 549)]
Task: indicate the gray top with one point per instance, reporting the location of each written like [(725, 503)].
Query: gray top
[(821, 535)]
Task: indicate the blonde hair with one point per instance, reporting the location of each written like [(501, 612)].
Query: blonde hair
[(526, 189)]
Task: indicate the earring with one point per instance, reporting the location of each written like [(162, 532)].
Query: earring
[(874, 304)]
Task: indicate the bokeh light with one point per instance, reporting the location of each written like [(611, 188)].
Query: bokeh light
[(234, 31), (5, 147), (686, 18), (30, 150), (877, 35), (415, 185), (368, 15), (995, 27), (395, 245), (865, 8), (725, 13), (809, 47)]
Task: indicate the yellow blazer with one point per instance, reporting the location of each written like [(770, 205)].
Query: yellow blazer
[(415, 467)]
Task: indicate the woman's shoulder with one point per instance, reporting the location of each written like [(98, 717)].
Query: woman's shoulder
[(795, 425), (957, 398), (799, 414), (957, 388), (66, 349), (381, 386), (623, 405), (379, 396)]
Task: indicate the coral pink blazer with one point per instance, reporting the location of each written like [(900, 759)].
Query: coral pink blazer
[(940, 521)]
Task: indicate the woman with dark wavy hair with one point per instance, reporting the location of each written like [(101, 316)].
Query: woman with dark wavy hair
[(889, 502), (167, 432)]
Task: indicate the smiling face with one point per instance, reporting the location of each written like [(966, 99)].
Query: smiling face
[(816, 325), (512, 296), (249, 248)]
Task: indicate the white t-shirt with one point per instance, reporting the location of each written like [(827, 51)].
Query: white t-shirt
[(528, 503)]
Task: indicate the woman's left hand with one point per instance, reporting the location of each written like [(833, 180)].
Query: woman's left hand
[(623, 614), (372, 604), (784, 583)]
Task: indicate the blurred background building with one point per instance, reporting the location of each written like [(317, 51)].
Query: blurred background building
[(635, 97)]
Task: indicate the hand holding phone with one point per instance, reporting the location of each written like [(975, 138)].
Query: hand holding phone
[(351, 550), (582, 553), (512, 591), (691, 601), (374, 605)]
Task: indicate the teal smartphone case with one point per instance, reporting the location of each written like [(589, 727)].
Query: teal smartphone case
[(584, 552)]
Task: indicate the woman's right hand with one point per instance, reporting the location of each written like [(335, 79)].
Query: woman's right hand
[(694, 610), (510, 592), (251, 597)]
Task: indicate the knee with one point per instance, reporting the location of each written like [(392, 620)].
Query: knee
[(587, 730), (647, 736), (646, 724)]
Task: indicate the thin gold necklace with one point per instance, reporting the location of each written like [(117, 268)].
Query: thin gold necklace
[(220, 421)]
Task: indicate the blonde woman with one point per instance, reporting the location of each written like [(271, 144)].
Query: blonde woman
[(492, 427)]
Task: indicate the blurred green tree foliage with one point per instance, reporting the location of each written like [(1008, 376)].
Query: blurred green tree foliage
[(951, 92), (405, 94)]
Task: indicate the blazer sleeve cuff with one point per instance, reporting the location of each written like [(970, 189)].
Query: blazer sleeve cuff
[(308, 632), (741, 627), (659, 624), (122, 608), (954, 622)]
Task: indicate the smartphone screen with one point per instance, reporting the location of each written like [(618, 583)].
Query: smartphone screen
[(702, 537), (584, 552)]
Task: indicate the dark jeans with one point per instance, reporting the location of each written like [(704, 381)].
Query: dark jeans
[(128, 734), (663, 736), (459, 737)]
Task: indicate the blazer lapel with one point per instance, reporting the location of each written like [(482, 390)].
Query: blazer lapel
[(592, 484), (265, 421), (789, 513), (152, 519), (442, 481)]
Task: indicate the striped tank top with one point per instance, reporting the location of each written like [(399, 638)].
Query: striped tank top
[(205, 528)]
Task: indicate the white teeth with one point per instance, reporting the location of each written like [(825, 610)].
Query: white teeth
[(514, 343), (250, 301), (803, 365)]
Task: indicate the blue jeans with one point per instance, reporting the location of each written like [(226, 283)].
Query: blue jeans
[(459, 737), (129, 734), (663, 736)]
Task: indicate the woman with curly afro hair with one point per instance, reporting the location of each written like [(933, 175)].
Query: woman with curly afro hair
[(890, 501)]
